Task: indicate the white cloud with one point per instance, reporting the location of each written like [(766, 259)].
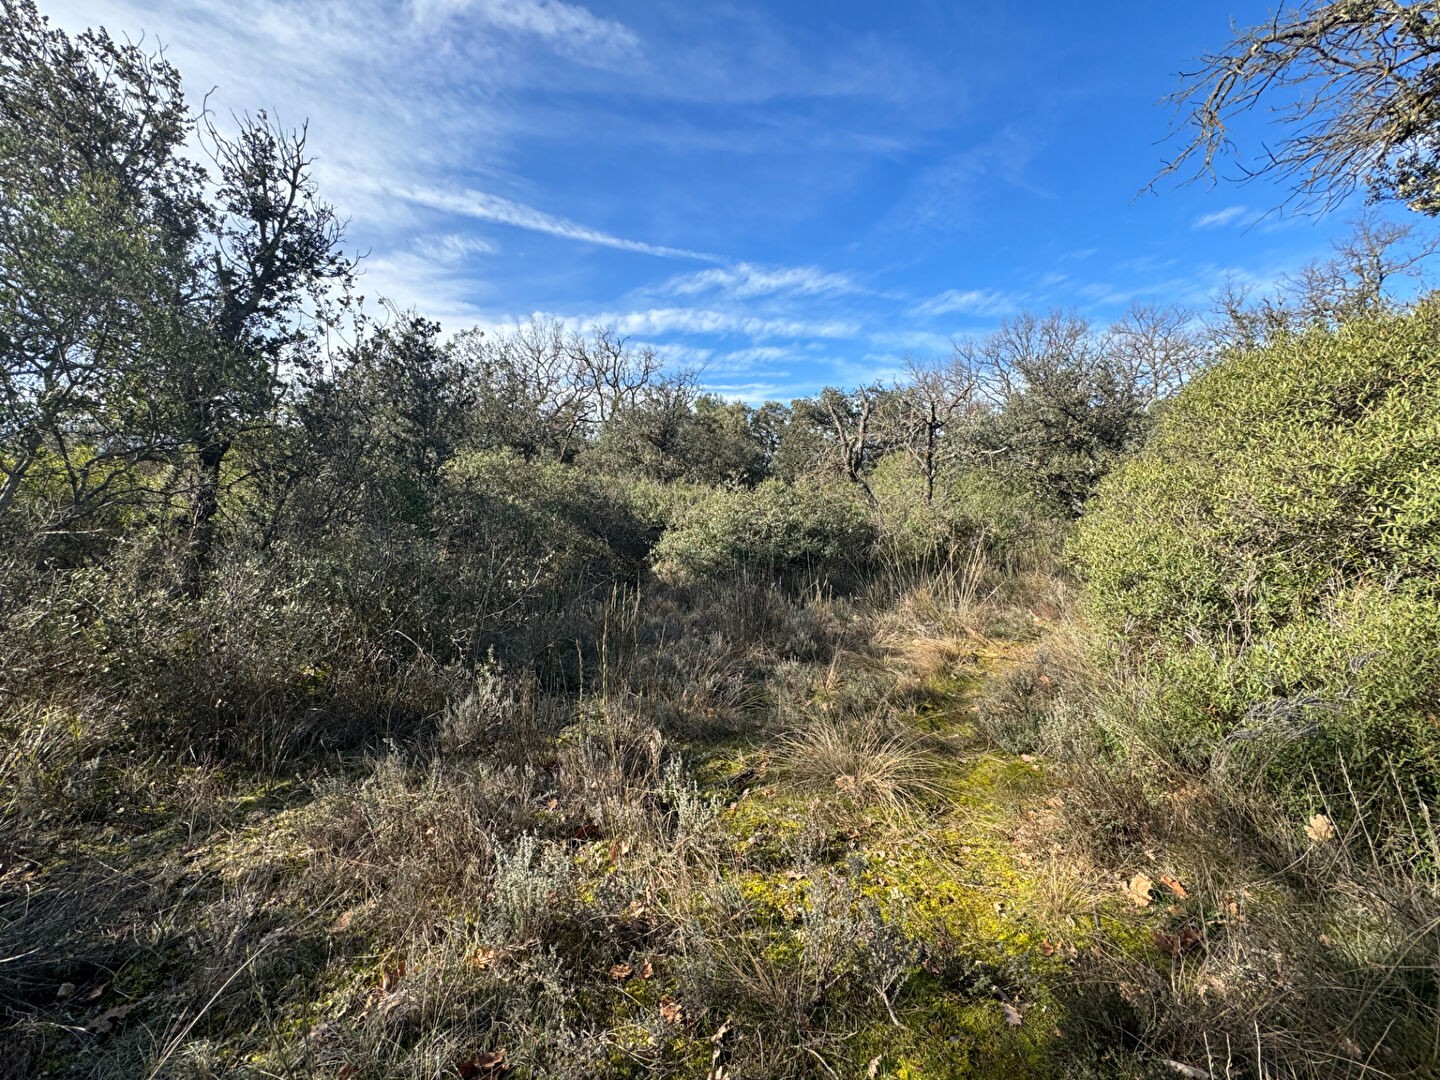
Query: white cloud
[(486, 207), (453, 248), (745, 281), (1220, 218), (641, 325), (981, 302), (757, 394), (573, 29)]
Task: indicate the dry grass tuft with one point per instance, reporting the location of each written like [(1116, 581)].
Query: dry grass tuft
[(863, 762)]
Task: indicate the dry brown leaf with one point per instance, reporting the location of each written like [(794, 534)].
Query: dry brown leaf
[(1013, 1016), (486, 1066), (873, 1069), (1320, 829), (485, 957), (102, 1024), (647, 970), (621, 972), (391, 976), (1139, 890), (671, 1010), (1173, 884), (1178, 944)]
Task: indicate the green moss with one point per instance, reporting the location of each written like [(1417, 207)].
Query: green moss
[(946, 1034)]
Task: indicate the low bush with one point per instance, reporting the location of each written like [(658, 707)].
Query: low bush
[(1270, 561), (823, 532)]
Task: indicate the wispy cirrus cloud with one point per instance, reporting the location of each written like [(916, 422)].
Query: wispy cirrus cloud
[(575, 30), (452, 249), (745, 281), (495, 208), (980, 302), (757, 328), (1220, 218), (709, 323)]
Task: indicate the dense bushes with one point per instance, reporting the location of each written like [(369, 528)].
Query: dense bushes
[(1272, 558), (969, 508), (824, 531)]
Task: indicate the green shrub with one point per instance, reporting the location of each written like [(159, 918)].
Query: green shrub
[(573, 521), (1280, 477), (823, 531), (1271, 560), (970, 506)]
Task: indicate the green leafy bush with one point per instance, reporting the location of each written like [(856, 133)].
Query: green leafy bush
[(971, 506), (1272, 558), (825, 531)]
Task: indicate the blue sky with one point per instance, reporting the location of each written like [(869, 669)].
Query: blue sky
[(791, 194)]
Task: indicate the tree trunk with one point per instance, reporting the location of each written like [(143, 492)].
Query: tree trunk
[(204, 508), (15, 475)]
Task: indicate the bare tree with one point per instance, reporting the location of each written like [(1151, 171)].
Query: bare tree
[(613, 371), (532, 395), (1358, 89), (1359, 278), (1157, 349), (933, 398), (850, 420)]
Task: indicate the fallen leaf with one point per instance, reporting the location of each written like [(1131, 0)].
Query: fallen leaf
[(485, 958), (647, 970), (485, 1067), (1046, 949), (1178, 944), (1320, 829), (1013, 1016), (671, 1011), (873, 1069), (621, 972), (1139, 890), (794, 875), (102, 1024), (1173, 884), (1027, 758), (65, 991)]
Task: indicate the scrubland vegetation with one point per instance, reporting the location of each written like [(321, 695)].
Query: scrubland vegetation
[(381, 703)]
